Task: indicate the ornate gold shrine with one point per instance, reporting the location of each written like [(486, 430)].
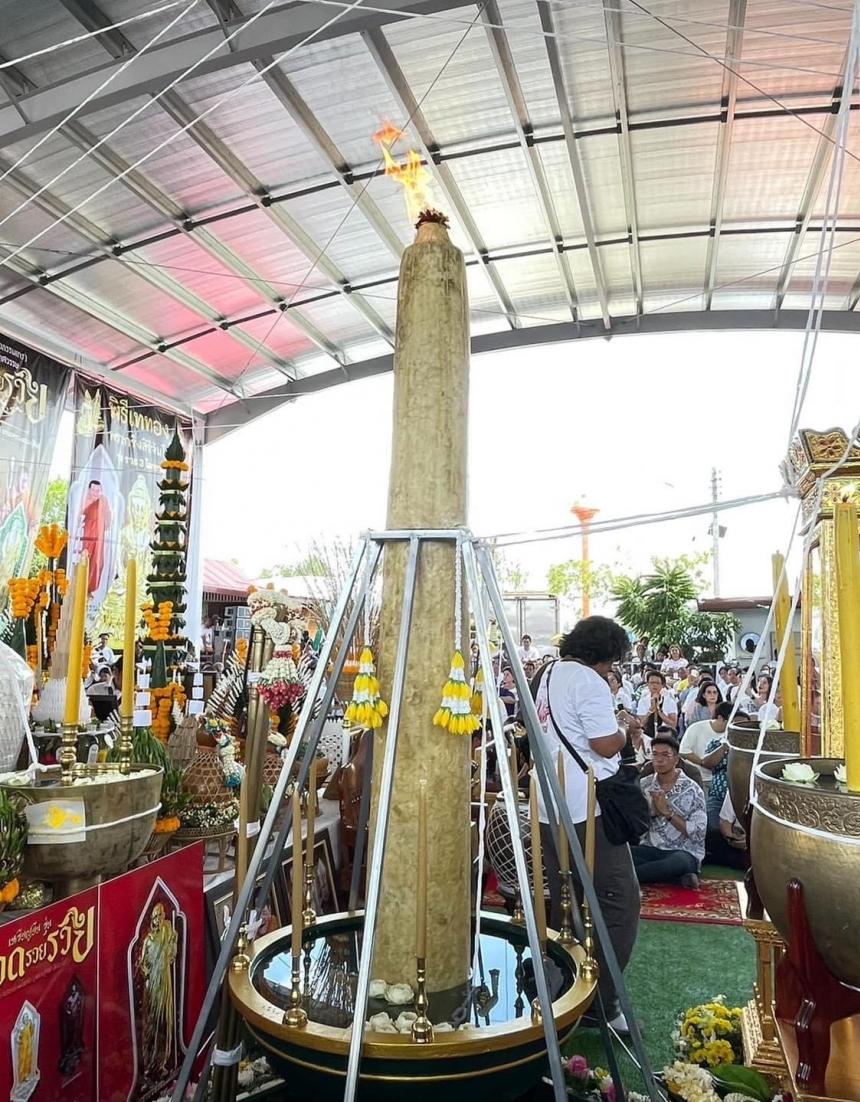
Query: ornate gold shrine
[(811, 455)]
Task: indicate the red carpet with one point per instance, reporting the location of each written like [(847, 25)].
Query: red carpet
[(715, 903), (493, 900)]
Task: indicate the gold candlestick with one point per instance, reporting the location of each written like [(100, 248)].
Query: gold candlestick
[(537, 1013), (519, 915), (295, 1016), (69, 752), (126, 728), (422, 1028), (565, 934), (241, 960), (421, 880), (589, 965), (537, 864), (309, 915)]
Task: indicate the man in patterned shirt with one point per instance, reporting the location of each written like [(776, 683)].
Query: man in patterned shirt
[(674, 847)]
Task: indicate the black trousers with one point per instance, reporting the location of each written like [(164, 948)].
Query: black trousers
[(617, 891)]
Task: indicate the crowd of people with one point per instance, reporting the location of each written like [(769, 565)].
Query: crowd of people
[(659, 721)]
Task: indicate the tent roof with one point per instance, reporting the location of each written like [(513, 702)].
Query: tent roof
[(223, 579), (608, 168)]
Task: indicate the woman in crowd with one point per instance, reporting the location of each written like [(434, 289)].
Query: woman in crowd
[(767, 710), (620, 693), (707, 699)]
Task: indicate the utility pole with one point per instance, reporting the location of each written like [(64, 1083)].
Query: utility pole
[(715, 528), (585, 514)]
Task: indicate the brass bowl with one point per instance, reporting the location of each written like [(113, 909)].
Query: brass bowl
[(811, 833), (111, 844), (743, 740), (493, 1063)]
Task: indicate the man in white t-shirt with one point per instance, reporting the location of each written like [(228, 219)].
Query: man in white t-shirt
[(698, 735), (527, 651), (575, 708)]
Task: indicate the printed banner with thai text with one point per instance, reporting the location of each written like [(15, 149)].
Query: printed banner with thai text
[(99, 993), (32, 397), (113, 496)]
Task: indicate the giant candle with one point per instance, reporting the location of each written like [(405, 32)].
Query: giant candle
[(427, 489)]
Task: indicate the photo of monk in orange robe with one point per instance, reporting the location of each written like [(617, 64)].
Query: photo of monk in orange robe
[(95, 524)]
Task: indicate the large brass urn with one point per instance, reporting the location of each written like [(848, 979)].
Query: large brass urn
[(743, 740), (811, 832)]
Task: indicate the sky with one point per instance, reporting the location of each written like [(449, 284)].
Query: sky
[(629, 425)]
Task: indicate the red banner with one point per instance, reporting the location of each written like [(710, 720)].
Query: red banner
[(99, 993), (48, 1002)]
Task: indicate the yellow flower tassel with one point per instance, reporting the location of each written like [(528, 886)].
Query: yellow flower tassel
[(455, 711), (366, 710), (478, 693)]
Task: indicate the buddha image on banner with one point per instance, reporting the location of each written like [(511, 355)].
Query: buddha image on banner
[(32, 395), (113, 496)]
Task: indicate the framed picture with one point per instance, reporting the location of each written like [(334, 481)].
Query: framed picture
[(219, 906), (325, 900)]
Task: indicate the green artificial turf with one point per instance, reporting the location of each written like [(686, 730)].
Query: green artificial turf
[(675, 965)]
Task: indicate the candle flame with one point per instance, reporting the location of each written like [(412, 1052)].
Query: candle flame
[(411, 173)]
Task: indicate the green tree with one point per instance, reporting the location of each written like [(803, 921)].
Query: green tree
[(53, 512), (576, 577), (660, 606), (513, 576)]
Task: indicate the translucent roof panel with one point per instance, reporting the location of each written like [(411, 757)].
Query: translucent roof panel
[(236, 209)]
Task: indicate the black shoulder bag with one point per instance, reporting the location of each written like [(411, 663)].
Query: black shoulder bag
[(623, 806)]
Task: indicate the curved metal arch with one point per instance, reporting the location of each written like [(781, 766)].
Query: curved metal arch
[(225, 420)]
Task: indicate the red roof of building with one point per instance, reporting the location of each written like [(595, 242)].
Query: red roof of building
[(223, 579)]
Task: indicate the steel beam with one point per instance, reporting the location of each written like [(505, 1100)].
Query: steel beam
[(302, 115), (612, 20), (211, 144), (560, 87), (72, 357), (229, 418), (107, 247), (501, 51), (114, 320), (90, 15), (278, 30), (454, 203), (815, 177), (728, 103)]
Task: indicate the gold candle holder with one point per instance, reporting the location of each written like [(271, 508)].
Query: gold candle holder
[(309, 915), (519, 914), (126, 728), (422, 1028), (565, 934), (589, 965), (537, 1013), (295, 1016), (241, 960), (69, 752)]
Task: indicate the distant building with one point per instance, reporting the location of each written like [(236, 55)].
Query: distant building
[(752, 614)]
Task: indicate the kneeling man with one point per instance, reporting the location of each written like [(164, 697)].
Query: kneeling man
[(673, 849)]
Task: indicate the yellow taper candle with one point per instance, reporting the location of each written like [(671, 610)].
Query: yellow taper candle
[(74, 674), (537, 862), (590, 822), (848, 598), (126, 704), (563, 848), (312, 807), (788, 674), (421, 878), (298, 879)]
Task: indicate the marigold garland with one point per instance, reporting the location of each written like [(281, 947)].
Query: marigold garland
[(242, 651), (163, 700), (366, 710), (51, 539), (158, 623), (455, 712), (86, 657), (23, 593)]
